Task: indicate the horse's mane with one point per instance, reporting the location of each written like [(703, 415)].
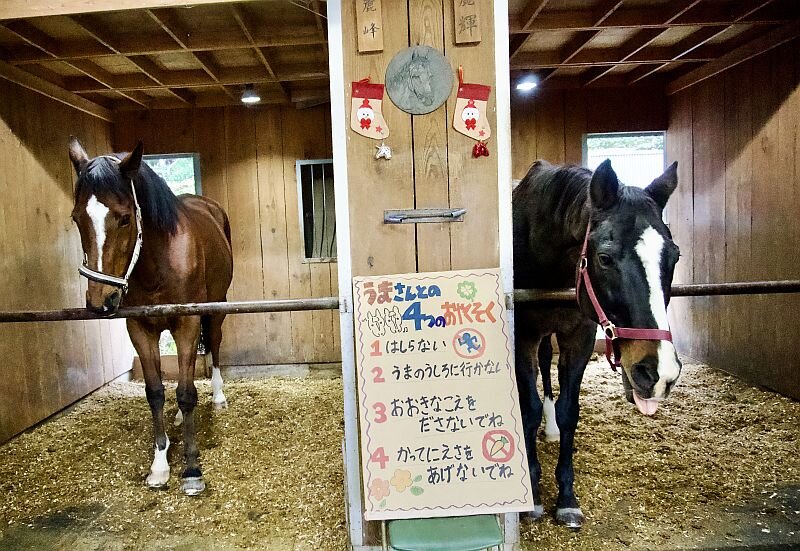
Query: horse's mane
[(159, 205), (560, 192)]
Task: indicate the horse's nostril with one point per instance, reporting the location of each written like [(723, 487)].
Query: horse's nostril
[(645, 374), (112, 301)]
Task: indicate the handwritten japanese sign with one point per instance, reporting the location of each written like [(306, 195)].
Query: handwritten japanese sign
[(441, 430), (369, 25), (467, 21)]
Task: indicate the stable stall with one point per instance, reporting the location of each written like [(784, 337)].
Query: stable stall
[(349, 141)]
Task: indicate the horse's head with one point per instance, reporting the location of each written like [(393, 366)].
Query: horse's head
[(419, 75), (631, 259), (105, 214)]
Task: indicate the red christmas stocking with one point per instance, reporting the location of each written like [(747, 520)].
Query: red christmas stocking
[(469, 116), (366, 115)]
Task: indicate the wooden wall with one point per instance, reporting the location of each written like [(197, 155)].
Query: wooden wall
[(550, 124), (46, 366), (736, 215), (247, 164), (432, 164)]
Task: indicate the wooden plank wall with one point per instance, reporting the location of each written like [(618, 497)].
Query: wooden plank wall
[(432, 164), (550, 124), (46, 366), (247, 164), (735, 216)]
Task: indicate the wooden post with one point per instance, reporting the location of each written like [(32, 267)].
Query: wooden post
[(431, 166)]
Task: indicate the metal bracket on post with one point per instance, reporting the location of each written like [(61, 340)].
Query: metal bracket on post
[(423, 216), (509, 301)]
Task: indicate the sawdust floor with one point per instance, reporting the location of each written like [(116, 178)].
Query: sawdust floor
[(717, 467)]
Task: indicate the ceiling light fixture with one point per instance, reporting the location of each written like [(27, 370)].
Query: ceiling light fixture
[(526, 85), (249, 95)]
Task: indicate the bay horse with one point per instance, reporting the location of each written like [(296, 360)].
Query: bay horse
[(144, 245), (563, 216)]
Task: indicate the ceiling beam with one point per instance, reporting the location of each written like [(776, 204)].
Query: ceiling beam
[(189, 78), (159, 44), (531, 10), (609, 57), (628, 18), (630, 48), (582, 39), (219, 100), (166, 21), (37, 84), (643, 39), (46, 44), (740, 11), (766, 42), (17, 9)]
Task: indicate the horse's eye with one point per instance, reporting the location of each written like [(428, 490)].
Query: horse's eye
[(605, 260), (125, 221)]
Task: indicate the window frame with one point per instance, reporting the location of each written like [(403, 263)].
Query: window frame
[(634, 133), (299, 164)]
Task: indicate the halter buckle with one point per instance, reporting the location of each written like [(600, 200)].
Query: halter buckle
[(610, 331), (583, 264)]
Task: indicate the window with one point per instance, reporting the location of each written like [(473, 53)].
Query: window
[(317, 209), (637, 157), (181, 172)]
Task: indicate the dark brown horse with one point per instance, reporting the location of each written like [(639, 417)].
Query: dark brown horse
[(563, 214), (122, 209)]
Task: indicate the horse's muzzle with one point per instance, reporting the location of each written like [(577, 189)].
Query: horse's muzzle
[(109, 305)]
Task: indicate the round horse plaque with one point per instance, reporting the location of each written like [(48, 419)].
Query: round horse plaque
[(419, 79)]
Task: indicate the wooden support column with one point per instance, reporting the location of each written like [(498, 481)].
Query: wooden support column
[(431, 166)]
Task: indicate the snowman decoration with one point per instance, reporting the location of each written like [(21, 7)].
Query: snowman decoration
[(470, 115), (365, 114)]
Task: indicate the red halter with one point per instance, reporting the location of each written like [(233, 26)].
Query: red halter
[(610, 331)]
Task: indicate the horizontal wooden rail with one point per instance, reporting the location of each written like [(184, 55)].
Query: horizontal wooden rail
[(162, 310), (332, 303), (688, 290)]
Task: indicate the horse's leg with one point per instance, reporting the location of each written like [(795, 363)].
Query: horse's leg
[(146, 343), (531, 408), (187, 336), (215, 339), (575, 351), (545, 357)]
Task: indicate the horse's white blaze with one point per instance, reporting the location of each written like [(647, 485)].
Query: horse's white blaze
[(551, 432), (97, 211), (216, 386), (159, 470), (649, 249)]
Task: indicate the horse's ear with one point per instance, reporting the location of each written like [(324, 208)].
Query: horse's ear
[(604, 189), (129, 166), (663, 186), (77, 155)]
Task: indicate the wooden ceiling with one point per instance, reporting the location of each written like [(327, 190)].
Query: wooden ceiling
[(176, 56), (160, 56), (577, 43)]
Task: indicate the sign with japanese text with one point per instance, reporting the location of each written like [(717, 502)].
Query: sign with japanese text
[(369, 25), (441, 430), (467, 21)]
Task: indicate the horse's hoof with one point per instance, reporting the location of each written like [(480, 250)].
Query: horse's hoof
[(193, 485), (178, 419), (157, 480), (571, 517), (533, 516), (220, 405)]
